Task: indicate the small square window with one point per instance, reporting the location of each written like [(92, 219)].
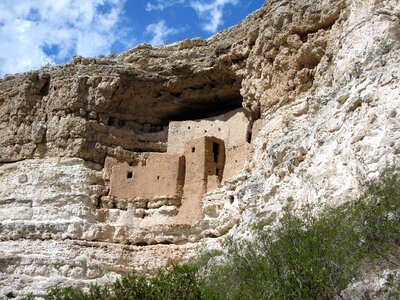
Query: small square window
[(193, 149), (111, 121), (158, 177), (129, 175)]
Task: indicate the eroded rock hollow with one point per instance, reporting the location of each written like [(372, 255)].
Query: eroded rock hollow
[(150, 158)]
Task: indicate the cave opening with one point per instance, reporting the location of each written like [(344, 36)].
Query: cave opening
[(141, 111), (204, 109), (195, 96), (208, 96)]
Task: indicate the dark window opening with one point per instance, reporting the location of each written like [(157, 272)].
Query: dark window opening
[(129, 175), (216, 151), (188, 127), (249, 137), (158, 177), (217, 172), (193, 149), (111, 121)]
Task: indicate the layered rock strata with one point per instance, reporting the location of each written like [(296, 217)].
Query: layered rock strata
[(322, 77)]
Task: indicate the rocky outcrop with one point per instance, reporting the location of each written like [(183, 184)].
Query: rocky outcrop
[(323, 77)]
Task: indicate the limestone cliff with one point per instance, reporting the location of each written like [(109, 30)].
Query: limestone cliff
[(321, 76)]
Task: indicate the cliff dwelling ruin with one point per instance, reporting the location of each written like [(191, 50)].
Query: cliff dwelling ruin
[(167, 188)]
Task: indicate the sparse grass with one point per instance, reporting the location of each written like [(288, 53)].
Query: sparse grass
[(398, 34), (393, 287), (357, 70), (385, 47)]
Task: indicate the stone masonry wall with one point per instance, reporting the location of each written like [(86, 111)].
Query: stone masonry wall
[(232, 127), (162, 176)]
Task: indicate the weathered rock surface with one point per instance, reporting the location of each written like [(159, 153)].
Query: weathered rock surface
[(323, 76)]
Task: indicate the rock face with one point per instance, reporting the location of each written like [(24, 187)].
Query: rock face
[(319, 80)]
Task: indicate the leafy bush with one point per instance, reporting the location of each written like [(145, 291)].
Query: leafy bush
[(376, 216), (306, 258), (314, 257), (179, 283), (393, 286)]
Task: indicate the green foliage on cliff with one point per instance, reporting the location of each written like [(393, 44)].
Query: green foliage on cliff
[(310, 256), (315, 256), (179, 283)]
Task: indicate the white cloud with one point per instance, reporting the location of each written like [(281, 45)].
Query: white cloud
[(212, 12), (160, 32), (29, 28), (162, 4)]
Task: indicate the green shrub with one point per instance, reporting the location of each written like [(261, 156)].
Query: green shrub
[(394, 290), (357, 70), (179, 283), (314, 257), (306, 258), (377, 216), (385, 47), (95, 292)]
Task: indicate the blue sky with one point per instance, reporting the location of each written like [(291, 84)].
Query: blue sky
[(34, 33)]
